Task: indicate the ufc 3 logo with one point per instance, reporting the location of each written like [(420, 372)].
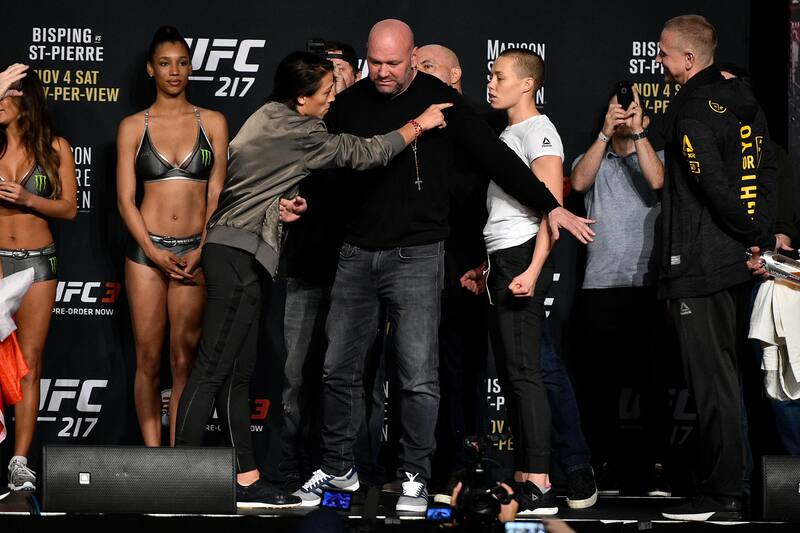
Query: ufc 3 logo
[(208, 54), (88, 291)]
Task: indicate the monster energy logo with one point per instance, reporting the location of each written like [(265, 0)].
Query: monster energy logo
[(205, 156), (40, 183), (53, 264)]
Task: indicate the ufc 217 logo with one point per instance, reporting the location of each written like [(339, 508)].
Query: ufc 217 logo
[(79, 397), (208, 54)]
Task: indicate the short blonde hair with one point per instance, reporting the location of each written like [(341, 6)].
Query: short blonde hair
[(527, 64), (695, 33)]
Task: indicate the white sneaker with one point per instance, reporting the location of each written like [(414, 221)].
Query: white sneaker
[(311, 491), (20, 477), (415, 496)]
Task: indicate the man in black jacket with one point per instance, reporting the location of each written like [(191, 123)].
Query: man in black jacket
[(393, 253), (715, 140)]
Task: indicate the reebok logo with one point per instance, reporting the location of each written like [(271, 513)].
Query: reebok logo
[(546, 143), (685, 310)]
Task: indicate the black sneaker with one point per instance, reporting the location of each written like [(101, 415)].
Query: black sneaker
[(607, 480), (291, 482), (444, 497), (393, 487), (263, 495), (658, 484), (581, 488), (706, 508), (532, 502)]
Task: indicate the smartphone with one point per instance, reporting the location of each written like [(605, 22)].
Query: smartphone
[(439, 514), (316, 46), (337, 500), (624, 93), (525, 527)]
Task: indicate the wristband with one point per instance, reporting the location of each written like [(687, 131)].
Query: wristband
[(638, 136), (603, 137), (417, 127)]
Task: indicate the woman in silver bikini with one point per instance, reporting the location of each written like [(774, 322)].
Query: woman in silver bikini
[(178, 152), (37, 183)]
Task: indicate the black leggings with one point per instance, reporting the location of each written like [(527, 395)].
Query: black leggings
[(515, 331), (227, 354)]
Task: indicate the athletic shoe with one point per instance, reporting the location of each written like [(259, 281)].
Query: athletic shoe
[(607, 480), (414, 498), (262, 495), (706, 508), (3, 495), (658, 485), (311, 491), (444, 497), (581, 488), (20, 477), (532, 502), (393, 487)]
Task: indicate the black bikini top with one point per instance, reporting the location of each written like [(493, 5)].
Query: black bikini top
[(36, 182), (151, 166)]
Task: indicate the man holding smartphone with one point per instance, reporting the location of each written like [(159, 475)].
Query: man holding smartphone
[(621, 175)]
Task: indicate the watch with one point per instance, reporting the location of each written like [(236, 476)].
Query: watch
[(641, 135)]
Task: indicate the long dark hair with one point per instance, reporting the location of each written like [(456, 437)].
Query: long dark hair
[(36, 129), (298, 74), (165, 34)]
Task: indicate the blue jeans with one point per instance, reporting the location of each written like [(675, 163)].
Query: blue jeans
[(408, 280), (568, 443), (305, 313), (787, 420)]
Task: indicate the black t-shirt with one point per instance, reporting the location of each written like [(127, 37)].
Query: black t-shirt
[(386, 206)]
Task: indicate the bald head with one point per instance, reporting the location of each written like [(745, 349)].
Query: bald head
[(391, 56), (440, 61)]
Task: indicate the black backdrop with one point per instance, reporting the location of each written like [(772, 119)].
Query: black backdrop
[(91, 56)]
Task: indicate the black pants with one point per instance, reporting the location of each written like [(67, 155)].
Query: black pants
[(515, 330), (712, 330), (227, 354), (615, 332)]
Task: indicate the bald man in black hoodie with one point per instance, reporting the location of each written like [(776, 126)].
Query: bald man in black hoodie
[(716, 165)]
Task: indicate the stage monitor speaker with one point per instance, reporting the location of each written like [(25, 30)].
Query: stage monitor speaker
[(781, 488), (137, 479)]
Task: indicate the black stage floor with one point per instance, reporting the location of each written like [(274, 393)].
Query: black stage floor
[(610, 514)]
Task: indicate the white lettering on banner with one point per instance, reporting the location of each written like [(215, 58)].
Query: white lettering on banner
[(65, 44), (494, 47), (83, 172), (643, 58), (54, 398), (207, 54), (72, 298)]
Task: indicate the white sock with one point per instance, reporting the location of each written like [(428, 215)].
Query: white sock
[(20, 458)]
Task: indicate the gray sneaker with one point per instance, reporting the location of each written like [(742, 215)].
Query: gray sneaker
[(20, 477), (415, 496), (311, 491)]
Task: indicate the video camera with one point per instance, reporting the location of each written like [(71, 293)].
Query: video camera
[(480, 498)]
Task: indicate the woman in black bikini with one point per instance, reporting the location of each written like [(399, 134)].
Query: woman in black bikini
[(179, 154)]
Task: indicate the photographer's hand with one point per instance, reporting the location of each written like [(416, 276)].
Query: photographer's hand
[(508, 511)]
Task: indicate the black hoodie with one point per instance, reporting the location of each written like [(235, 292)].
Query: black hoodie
[(719, 176)]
